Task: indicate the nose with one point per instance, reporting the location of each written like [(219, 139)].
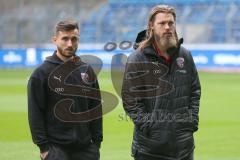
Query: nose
[(69, 43), (167, 26)]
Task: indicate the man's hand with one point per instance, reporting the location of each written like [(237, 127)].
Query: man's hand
[(44, 155)]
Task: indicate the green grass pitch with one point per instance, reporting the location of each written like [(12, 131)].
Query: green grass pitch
[(218, 137)]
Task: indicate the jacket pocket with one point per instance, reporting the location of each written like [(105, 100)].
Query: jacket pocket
[(185, 122), (157, 142)]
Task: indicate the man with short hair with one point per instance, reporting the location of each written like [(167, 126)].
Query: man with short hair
[(161, 91), (58, 133)]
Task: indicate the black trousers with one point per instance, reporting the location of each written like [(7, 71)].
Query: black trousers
[(140, 156), (90, 152)]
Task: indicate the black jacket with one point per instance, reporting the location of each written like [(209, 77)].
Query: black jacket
[(45, 127), (163, 101)]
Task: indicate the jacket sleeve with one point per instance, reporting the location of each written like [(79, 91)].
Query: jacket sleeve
[(195, 96), (36, 105), (132, 104), (96, 125)]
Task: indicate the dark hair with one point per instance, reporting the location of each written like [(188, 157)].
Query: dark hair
[(66, 25)]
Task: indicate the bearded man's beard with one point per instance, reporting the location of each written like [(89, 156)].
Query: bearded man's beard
[(168, 41), (62, 52)]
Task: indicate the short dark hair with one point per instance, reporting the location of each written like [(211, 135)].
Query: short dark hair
[(66, 25)]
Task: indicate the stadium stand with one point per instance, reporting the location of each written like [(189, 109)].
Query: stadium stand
[(30, 22)]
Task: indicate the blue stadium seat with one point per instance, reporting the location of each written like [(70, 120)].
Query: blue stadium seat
[(122, 21)]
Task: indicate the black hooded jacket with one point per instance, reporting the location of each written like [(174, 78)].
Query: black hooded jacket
[(163, 101), (45, 127)]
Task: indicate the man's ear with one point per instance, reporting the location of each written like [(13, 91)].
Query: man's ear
[(54, 39), (150, 25)]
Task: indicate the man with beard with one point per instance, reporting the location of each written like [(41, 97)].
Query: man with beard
[(58, 138), (161, 91)]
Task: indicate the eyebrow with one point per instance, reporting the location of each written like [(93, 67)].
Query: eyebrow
[(165, 21), (75, 36)]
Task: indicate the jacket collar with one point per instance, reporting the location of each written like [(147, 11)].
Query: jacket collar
[(149, 50), (54, 59)]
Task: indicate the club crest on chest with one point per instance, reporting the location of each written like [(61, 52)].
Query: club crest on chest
[(180, 62), (85, 78)]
